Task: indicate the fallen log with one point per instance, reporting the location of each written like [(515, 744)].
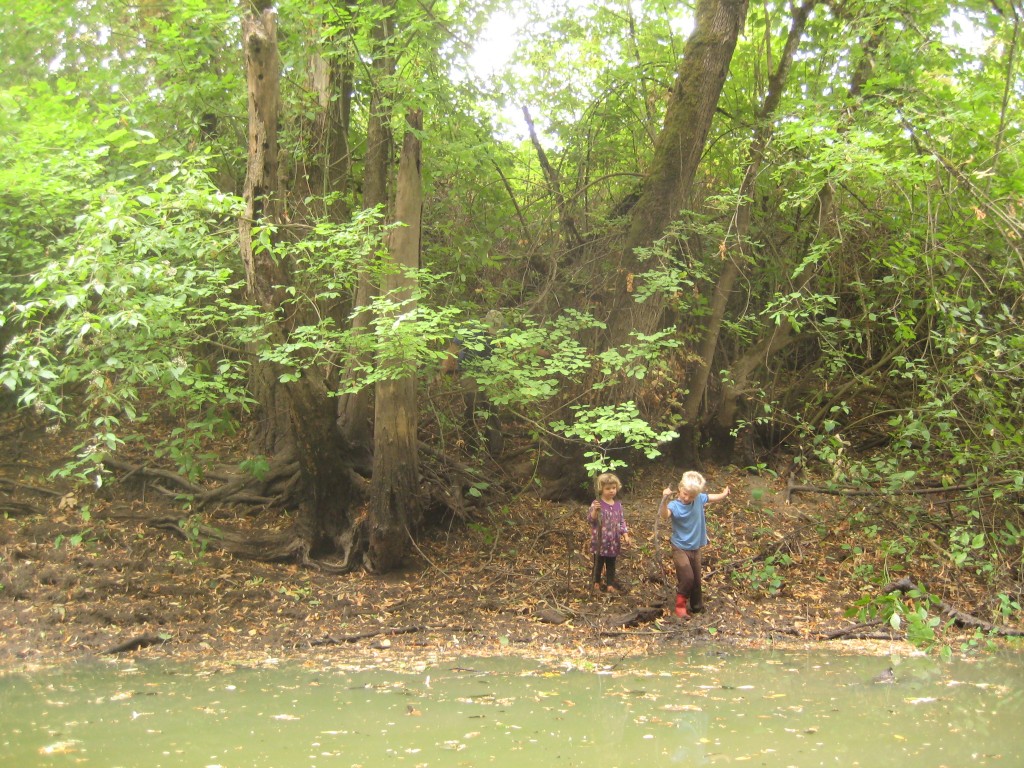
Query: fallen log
[(339, 639), (960, 618), (793, 487), (135, 643)]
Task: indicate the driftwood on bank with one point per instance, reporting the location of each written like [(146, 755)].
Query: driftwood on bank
[(353, 638), (858, 632), (135, 643), (793, 487), (960, 618)]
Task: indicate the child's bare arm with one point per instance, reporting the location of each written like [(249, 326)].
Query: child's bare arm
[(665, 494), (718, 496)]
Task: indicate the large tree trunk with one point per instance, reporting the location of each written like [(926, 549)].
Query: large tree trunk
[(262, 197), (721, 415), (357, 408), (665, 194), (688, 449), (323, 456), (394, 496), (327, 487)]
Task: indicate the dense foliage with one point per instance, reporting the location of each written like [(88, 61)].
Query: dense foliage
[(857, 210)]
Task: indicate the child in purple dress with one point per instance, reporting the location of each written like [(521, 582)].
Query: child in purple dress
[(608, 531)]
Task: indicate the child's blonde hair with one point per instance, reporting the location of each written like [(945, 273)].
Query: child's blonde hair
[(606, 479), (692, 482)]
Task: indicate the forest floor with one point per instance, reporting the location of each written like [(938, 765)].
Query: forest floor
[(84, 575)]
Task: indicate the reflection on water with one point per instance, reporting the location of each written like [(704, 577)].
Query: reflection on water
[(702, 707)]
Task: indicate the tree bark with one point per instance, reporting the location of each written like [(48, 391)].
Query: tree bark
[(688, 451), (393, 494), (263, 207), (665, 194), (668, 188), (323, 455), (326, 172), (357, 408)]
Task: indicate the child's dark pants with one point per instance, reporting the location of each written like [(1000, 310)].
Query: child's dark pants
[(608, 565), (687, 563)]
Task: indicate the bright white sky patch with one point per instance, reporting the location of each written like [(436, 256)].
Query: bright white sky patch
[(963, 31), (497, 44)]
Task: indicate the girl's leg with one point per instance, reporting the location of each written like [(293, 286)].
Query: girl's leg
[(595, 576), (610, 573)]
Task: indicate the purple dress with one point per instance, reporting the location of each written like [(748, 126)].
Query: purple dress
[(611, 529)]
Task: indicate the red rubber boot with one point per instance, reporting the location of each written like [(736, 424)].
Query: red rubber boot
[(681, 607)]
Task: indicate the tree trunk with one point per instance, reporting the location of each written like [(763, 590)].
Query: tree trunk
[(394, 492), (328, 163), (667, 190), (688, 449), (665, 194), (777, 338), (322, 453), (357, 408), (263, 206), (324, 460)]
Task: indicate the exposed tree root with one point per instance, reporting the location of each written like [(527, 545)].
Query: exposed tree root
[(33, 488), (18, 508), (449, 479), (276, 487), (238, 489)]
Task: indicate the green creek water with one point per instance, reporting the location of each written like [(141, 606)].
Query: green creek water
[(700, 707)]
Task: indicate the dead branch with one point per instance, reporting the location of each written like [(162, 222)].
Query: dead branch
[(339, 639), (9, 506), (135, 643), (958, 617), (793, 487)]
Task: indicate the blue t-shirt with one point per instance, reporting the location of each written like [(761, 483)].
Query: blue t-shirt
[(689, 528)]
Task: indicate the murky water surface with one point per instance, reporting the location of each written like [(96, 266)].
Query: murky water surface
[(696, 708)]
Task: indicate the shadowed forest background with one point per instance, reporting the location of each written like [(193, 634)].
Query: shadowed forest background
[(337, 265)]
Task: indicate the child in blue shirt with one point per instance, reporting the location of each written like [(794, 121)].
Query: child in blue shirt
[(689, 534)]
